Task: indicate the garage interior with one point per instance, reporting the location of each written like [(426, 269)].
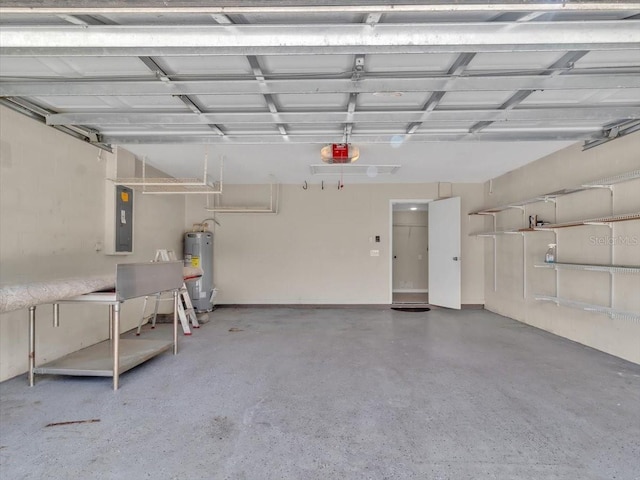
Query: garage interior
[(457, 298)]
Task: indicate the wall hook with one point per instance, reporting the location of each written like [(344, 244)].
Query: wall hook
[(305, 185)]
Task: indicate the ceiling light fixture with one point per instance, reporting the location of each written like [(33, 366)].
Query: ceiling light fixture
[(339, 153)]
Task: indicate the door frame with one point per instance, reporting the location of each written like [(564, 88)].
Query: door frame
[(393, 202)]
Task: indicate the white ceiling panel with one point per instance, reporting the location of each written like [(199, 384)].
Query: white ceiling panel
[(23, 19), (477, 99), (159, 19), (427, 62), (554, 97), (512, 61), (231, 102), (72, 67), (518, 126), (321, 101), (302, 64), (610, 58), (206, 65), (630, 96), (439, 17), (238, 128), (586, 16), (329, 128), (303, 19), (390, 128), (157, 129), (396, 100), (86, 103), (627, 96)]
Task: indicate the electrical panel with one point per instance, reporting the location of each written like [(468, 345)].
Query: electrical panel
[(124, 219), (119, 220)]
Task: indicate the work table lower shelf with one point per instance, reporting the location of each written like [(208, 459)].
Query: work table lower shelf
[(97, 360)]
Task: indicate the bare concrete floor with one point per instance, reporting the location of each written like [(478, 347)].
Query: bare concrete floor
[(338, 394)]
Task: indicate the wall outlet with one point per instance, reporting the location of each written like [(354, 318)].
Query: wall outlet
[(374, 253)]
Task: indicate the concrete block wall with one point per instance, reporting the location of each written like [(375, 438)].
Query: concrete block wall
[(52, 199), (317, 249), (516, 278)]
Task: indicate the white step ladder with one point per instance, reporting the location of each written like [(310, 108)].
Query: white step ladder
[(186, 311)]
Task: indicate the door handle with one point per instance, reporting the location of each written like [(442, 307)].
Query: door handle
[(455, 259)]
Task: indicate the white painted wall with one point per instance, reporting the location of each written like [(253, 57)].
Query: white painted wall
[(567, 168), (317, 249), (52, 192), (411, 252)]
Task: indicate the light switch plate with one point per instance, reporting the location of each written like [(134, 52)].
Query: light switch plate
[(374, 253)]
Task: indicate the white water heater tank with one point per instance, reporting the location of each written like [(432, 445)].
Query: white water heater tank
[(198, 252)]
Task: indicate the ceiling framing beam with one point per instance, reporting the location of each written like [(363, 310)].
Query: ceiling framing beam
[(486, 82), (254, 63), (320, 138), (152, 65), (302, 6), (613, 132), (357, 73), (537, 114), (458, 66), (558, 67), (381, 38), (39, 114), (456, 69)]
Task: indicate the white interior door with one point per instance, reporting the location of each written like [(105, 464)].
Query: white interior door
[(444, 253)]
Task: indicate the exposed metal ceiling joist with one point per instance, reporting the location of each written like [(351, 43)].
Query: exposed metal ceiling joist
[(189, 40), (38, 114), (145, 87), (152, 65), (320, 138), (458, 66), (319, 117), (303, 6), (611, 133), (558, 67)]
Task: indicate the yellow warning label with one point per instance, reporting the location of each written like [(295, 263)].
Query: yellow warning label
[(195, 261), (124, 196)]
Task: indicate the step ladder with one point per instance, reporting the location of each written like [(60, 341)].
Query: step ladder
[(186, 311)]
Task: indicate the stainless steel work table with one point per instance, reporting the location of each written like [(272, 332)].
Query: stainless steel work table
[(114, 356)]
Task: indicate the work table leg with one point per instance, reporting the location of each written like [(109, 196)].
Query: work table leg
[(115, 342), (32, 344), (175, 322)]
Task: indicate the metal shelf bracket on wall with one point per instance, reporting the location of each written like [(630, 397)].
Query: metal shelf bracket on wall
[(174, 186)]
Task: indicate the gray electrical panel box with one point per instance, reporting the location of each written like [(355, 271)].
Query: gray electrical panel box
[(124, 220)]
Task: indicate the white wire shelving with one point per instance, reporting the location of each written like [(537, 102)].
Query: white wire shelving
[(606, 182), (622, 269), (592, 221), (271, 208), (552, 226), (171, 185), (587, 307)]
